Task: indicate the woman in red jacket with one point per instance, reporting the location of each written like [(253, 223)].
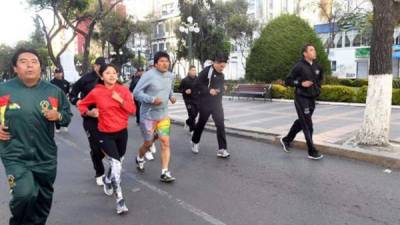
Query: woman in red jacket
[(114, 103)]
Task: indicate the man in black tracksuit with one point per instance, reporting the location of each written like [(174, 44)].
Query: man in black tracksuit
[(61, 83), (135, 80), (306, 77), (210, 86), (190, 97), (79, 91)]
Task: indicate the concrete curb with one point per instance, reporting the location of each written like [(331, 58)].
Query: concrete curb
[(385, 159), (318, 102)]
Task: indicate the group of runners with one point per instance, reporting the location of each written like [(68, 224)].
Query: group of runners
[(31, 108)]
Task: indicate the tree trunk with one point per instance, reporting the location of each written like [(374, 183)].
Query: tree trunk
[(376, 125), (88, 37)]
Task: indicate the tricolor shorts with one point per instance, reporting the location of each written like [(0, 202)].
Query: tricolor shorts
[(150, 128)]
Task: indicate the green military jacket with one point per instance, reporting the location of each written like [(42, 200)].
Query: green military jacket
[(32, 135)]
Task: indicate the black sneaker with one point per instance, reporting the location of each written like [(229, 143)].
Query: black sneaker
[(285, 145), (167, 178), (315, 156), (140, 164)]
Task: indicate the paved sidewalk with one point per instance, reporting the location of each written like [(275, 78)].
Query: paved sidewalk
[(333, 124)]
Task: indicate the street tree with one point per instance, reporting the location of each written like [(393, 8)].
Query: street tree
[(58, 25), (212, 37), (70, 14), (116, 29), (376, 125)]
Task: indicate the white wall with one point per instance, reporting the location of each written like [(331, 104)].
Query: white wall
[(346, 66)]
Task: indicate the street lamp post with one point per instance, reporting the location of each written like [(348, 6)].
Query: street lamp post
[(189, 28)]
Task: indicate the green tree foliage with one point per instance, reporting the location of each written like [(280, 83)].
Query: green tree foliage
[(279, 48), (36, 42), (116, 29), (212, 37)]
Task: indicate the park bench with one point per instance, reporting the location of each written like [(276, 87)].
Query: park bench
[(253, 91)]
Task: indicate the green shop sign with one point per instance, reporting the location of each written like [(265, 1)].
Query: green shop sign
[(362, 53)]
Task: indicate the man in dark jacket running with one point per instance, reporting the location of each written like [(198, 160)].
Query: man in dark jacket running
[(79, 91), (211, 85), (190, 97), (306, 76)]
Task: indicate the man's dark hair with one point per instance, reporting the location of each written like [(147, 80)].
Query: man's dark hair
[(20, 51), (100, 61), (160, 55), (58, 70), (220, 57), (305, 48), (191, 67)]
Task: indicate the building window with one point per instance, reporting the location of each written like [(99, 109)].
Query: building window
[(397, 41), (347, 41), (328, 43), (167, 9), (161, 47), (340, 43), (154, 48), (333, 66), (160, 29), (366, 40), (357, 41)]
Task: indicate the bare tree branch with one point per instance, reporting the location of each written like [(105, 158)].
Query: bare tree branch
[(66, 45)]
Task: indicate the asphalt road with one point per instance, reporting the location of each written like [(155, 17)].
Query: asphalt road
[(258, 185)]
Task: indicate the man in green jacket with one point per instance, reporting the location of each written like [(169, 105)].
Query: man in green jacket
[(29, 109)]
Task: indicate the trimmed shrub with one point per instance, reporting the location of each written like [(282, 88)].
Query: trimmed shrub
[(361, 94), (337, 93), (279, 91), (396, 83), (279, 48), (360, 82), (396, 97), (331, 80)]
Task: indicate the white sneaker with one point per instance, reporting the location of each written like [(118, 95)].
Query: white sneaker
[(223, 153), (121, 207), (195, 148), (149, 156), (58, 131), (65, 129), (153, 148), (99, 181)]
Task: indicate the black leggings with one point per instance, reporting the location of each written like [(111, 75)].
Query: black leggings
[(114, 144)]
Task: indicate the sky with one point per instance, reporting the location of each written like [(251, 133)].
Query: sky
[(16, 21)]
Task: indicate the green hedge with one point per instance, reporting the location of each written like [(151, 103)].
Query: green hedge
[(337, 93), (331, 80), (334, 93)]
